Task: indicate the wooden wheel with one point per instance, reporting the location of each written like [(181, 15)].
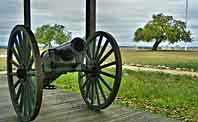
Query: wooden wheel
[(99, 85), (24, 73)]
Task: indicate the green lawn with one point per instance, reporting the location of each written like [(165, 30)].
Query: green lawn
[(2, 64), (171, 95), (172, 59), (174, 96), (3, 51)]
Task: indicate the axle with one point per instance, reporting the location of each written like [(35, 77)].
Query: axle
[(62, 59)]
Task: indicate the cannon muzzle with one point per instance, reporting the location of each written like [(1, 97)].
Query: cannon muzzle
[(68, 51)]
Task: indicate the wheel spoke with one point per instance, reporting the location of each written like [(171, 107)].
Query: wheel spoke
[(97, 93), (25, 101), (27, 50), (88, 89), (29, 57), (30, 108), (18, 47), (92, 92), (85, 83), (103, 49), (21, 42), (101, 90), (31, 61), (32, 91), (99, 45), (107, 65), (20, 39), (17, 83), (26, 60), (82, 76), (13, 62), (29, 95), (107, 74), (106, 56), (19, 91), (34, 82), (21, 101), (105, 83), (16, 55)]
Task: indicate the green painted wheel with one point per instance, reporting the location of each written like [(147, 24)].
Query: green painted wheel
[(100, 83), (24, 73)]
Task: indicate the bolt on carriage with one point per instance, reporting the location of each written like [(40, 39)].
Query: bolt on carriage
[(97, 60)]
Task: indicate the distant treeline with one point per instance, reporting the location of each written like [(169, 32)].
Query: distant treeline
[(148, 47), (139, 47), (3, 47)]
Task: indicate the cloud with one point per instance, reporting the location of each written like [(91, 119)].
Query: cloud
[(120, 17)]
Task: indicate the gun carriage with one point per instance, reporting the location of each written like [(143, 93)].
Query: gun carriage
[(97, 60)]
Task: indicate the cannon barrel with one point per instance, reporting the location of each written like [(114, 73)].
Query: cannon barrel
[(68, 51), (61, 59)]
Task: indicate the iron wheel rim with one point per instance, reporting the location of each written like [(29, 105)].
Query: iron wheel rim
[(102, 41), (25, 84)]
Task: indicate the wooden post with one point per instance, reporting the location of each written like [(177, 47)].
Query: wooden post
[(90, 17), (186, 13), (27, 13)]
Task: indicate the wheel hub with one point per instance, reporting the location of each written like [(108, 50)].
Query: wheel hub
[(21, 73), (94, 71)]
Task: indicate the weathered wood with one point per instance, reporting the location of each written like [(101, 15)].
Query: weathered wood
[(27, 13), (61, 106), (90, 17)]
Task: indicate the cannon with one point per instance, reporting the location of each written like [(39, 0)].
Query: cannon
[(62, 59), (97, 60)]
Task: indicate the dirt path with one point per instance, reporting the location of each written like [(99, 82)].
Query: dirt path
[(174, 72)]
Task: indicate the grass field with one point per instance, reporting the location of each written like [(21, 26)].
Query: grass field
[(2, 59), (172, 59), (2, 64), (173, 96), (3, 51)]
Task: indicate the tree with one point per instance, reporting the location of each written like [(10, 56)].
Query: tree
[(163, 28), (46, 34)]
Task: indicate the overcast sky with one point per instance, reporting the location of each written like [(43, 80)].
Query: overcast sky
[(120, 17)]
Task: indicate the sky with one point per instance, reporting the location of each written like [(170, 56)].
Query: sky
[(119, 17)]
